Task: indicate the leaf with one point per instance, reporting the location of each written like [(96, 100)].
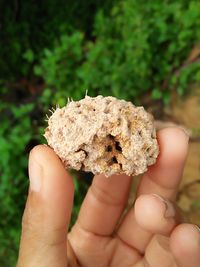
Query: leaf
[(156, 94), (29, 55)]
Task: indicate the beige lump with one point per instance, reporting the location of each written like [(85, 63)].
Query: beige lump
[(103, 135)]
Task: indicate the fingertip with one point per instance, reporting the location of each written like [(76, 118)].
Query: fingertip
[(48, 175), (148, 211), (185, 245), (174, 130), (39, 148), (173, 139), (167, 171), (44, 155), (154, 214), (185, 238)]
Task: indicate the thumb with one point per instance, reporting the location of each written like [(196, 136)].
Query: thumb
[(47, 212)]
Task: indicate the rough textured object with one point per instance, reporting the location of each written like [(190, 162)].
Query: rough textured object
[(103, 135)]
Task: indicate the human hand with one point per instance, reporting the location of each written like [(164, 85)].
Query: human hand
[(151, 233)]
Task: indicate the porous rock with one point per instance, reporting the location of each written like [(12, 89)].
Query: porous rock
[(103, 135)]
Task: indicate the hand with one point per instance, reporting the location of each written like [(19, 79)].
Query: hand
[(150, 234)]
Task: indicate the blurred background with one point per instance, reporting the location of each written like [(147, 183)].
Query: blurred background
[(147, 52)]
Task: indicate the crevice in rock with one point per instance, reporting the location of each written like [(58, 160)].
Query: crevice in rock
[(114, 160), (109, 148), (111, 137), (117, 146)]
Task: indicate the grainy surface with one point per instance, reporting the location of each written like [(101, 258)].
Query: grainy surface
[(103, 135)]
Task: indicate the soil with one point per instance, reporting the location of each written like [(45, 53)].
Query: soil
[(187, 113)]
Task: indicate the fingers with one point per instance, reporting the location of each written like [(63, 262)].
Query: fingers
[(151, 215), (104, 204), (102, 207), (47, 213), (181, 249), (185, 245), (163, 179)]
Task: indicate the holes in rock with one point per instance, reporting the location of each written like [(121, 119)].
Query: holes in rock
[(118, 121), (109, 148), (115, 143), (114, 160), (118, 147), (148, 149), (111, 137), (140, 133)]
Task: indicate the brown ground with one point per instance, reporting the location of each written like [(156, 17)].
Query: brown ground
[(187, 113)]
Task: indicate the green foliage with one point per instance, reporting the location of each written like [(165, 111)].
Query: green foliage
[(15, 134), (138, 48), (60, 66), (29, 26)]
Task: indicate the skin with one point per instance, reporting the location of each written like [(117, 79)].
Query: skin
[(151, 234)]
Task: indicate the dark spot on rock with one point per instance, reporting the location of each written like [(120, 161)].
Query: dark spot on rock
[(118, 121), (111, 137), (114, 160), (109, 148), (153, 135), (117, 146)]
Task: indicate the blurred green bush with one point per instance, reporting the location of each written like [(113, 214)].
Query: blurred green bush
[(15, 133), (126, 48), (29, 26), (139, 48)]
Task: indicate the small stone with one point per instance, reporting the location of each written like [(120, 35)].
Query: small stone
[(103, 135)]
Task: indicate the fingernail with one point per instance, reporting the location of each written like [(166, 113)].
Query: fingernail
[(35, 175), (170, 211)]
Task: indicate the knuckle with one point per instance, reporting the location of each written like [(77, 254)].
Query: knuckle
[(103, 196)]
